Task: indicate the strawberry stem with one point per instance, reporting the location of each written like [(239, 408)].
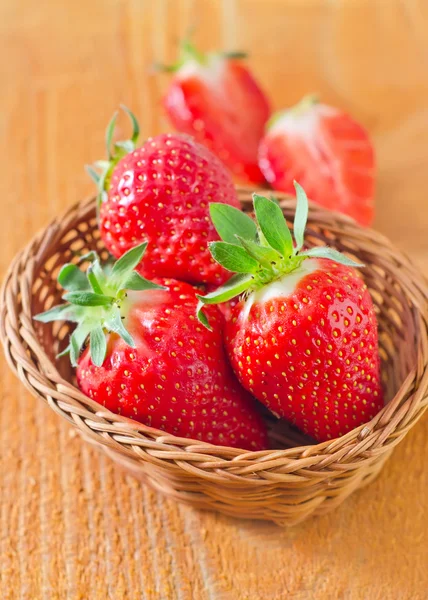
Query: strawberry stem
[(189, 52), (305, 104)]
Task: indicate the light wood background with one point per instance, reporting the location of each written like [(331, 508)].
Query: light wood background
[(71, 525)]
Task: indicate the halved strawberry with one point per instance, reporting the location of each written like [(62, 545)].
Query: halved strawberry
[(303, 337), (327, 151), (215, 98)]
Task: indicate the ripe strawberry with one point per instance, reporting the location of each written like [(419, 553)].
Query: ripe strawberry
[(155, 364), (216, 99), (303, 337), (160, 193), (325, 149)]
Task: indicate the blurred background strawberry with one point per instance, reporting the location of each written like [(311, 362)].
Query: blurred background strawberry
[(327, 151), (216, 98)]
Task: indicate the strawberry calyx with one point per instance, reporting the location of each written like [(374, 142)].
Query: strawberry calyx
[(190, 54), (299, 109), (95, 300), (260, 251), (100, 172)]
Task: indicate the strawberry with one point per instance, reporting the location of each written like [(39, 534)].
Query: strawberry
[(303, 337), (148, 357), (215, 98), (325, 149), (160, 193)]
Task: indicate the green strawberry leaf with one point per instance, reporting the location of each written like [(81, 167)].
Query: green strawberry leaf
[(98, 345), (235, 55), (125, 145), (190, 52), (114, 323), (135, 125), (93, 280), (331, 254), (202, 317), (273, 225), (90, 256), (262, 254), (103, 165), (64, 312), (235, 286), (77, 339), (233, 258), (230, 221), (72, 279), (138, 283), (99, 273), (64, 352), (74, 349), (93, 174), (123, 267), (88, 299), (301, 216), (109, 134)]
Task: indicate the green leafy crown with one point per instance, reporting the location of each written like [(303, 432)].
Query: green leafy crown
[(94, 299), (189, 52), (100, 172), (260, 251)]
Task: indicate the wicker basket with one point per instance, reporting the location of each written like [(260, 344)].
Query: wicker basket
[(286, 485)]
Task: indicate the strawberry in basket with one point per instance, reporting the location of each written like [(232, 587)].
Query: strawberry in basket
[(149, 359), (159, 193), (215, 98), (327, 151), (303, 337)]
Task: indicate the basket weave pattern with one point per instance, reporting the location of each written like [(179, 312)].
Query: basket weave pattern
[(296, 479)]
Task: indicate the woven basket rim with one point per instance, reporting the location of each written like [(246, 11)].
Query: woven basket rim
[(17, 334)]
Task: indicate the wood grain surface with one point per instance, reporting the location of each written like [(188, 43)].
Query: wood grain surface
[(72, 526)]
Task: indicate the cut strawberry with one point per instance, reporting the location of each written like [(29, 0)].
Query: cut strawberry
[(327, 151), (217, 100)]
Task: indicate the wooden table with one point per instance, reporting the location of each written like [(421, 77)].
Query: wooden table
[(71, 525)]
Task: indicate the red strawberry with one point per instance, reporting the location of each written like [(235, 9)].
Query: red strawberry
[(160, 193), (303, 338), (216, 99), (327, 151), (156, 364)]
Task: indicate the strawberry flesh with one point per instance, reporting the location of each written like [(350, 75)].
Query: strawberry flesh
[(328, 152), (223, 107)]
